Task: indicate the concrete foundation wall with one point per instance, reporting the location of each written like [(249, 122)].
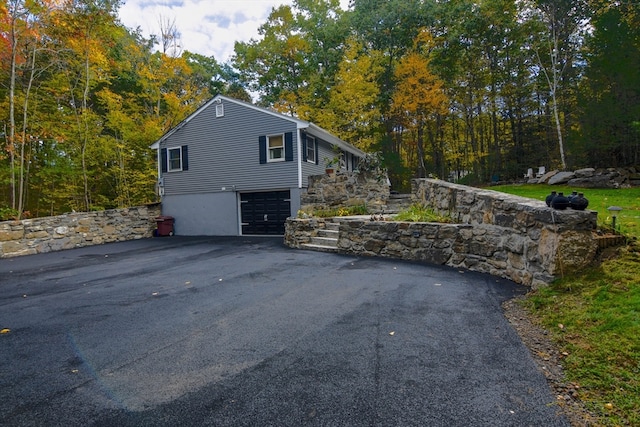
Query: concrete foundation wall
[(212, 214)]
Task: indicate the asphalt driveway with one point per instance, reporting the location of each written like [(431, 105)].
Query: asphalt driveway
[(246, 332)]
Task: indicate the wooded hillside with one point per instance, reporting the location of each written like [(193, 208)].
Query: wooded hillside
[(489, 88)]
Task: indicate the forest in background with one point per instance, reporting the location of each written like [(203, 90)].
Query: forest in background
[(484, 89)]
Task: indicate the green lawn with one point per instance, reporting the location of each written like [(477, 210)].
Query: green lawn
[(594, 316)]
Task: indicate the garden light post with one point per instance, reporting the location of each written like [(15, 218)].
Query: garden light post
[(613, 211)]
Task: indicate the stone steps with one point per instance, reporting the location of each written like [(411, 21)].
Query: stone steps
[(326, 239), (320, 248), (398, 202), (331, 227)]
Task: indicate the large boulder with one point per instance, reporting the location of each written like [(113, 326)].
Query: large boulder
[(546, 177), (585, 172), (602, 178), (561, 178)]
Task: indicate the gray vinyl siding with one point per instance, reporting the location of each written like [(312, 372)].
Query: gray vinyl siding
[(224, 152), (325, 152)]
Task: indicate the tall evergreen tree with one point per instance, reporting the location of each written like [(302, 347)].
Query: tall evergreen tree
[(610, 93)]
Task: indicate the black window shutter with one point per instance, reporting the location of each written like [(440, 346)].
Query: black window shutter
[(262, 141), (315, 149), (163, 160), (185, 157), (288, 147), (304, 147)]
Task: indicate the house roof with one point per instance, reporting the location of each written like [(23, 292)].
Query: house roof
[(309, 127)]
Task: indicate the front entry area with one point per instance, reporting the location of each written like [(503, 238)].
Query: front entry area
[(264, 213)]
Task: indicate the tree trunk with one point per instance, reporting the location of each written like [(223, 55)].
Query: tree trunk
[(12, 107), (23, 142), (85, 136), (422, 170)]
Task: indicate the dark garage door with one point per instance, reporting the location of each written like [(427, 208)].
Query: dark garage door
[(265, 212)]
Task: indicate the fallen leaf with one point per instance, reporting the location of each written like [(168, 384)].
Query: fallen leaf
[(155, 293), (437, 284), (392, 333), (187, 283), (5, 331), (74, 371), (609, 406), (560, 325)]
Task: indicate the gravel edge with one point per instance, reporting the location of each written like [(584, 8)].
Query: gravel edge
[(548, 358)]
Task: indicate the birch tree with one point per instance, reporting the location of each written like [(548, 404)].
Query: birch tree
[(563, 22)]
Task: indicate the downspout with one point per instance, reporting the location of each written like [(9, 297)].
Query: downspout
[(159, 180), (299, 144)]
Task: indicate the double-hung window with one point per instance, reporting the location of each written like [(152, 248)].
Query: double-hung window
[(175, 159), (276, 148), (311, 149)]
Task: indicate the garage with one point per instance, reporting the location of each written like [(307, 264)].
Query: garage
[(264, 213)]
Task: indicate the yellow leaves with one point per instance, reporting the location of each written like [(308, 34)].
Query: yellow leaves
[(419, 93), (424, 41), (352, 110), (288, 103), (5, 331)]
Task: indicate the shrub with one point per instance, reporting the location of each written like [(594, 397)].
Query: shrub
[(420, 213), (7, 214)]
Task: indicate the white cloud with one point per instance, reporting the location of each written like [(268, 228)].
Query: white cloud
[(207, 27)]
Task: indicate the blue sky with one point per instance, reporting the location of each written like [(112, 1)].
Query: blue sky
[(207, 27)]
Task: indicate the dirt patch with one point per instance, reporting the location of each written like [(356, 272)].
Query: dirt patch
[(549, 361)]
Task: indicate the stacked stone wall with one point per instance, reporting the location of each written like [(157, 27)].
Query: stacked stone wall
[(508, 236), (74, 230), (344, 189)]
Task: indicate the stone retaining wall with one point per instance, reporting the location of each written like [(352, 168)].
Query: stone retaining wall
[(344, 189), (74, 230), (508, 236), (299, 231)]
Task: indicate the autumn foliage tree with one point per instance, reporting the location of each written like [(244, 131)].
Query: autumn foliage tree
[(419, 102), (458, 89), (83, 98), (352, 111)]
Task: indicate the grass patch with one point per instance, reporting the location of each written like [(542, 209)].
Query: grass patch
[(599, 311), (420, 213), (594, 316), (329, 213)]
